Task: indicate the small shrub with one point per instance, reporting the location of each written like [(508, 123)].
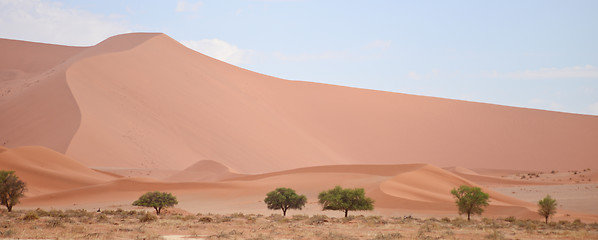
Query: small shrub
[(148, 217), (102, 218), (317, 219), (277, 218), (42, 213), (52, 223), (299, 217), (459, 222), (205, 219), (31, 215), (495, 234), (7, 233), (382, 236), (510, 219), (340, 236), (445, 219)]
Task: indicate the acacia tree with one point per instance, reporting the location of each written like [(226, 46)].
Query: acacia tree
[(157, 200), (284, 199), (547, 207), (345, 200), (11, 189), (470, 200)]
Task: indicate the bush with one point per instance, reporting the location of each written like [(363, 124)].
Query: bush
[(52, 223), (317, 219), (510, 219), (300, 217), (31, 215), (205, 219), (148, 218), (382, 236), (495, 234)]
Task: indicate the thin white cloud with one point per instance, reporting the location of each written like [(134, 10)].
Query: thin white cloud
[(220, 50), (413, 75), (327, 55), (185, 6), (379, 44), (587, 71), (51, 22)]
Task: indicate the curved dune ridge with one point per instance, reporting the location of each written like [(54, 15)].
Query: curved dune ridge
[(204, 171), (45, 170), (58, 181), (143, 100)]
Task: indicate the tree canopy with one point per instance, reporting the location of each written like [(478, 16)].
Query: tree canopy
[(11, 189), (470, 200), (547, 207), (157, 200), (284, 199), (345, 199)]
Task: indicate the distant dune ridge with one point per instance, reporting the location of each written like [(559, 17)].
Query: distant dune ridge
[(144, 101)]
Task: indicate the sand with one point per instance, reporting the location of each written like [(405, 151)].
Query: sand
[(149, 114)]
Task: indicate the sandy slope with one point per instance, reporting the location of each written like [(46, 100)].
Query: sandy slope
[(46, 171), (204, 171), (145, 101), (55, 181)]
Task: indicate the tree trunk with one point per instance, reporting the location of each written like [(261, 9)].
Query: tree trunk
[(284, 212), (468, 216), (157, 210), (546, 219), (9, 207), (346, 212)]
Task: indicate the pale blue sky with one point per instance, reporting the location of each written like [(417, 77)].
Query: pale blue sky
[(538, 54)]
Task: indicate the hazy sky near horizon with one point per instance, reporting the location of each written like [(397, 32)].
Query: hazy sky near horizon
[(537, 54)]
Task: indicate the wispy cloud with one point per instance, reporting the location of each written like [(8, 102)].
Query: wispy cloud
[(220, 50), (379, 44), (51, 22), (587, 71), (185, 6), (326, 55)]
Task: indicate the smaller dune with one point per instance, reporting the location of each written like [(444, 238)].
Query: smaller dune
[(45, 170), (204, 171)]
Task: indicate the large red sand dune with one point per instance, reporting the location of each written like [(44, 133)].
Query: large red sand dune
[(145, 101)]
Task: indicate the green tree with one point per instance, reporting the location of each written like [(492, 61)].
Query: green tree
[(284, 199), (345, 200), (547, 207), (11, 189), (470, 200), (157, 200)]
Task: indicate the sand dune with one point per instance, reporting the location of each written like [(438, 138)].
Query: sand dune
[(415, 188), (204, 171), (145, 101), (45, 170)]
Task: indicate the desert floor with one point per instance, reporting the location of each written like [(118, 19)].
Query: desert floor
[(177, 224)]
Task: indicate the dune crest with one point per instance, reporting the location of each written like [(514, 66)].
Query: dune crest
[(45, 170), (204, 171)]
